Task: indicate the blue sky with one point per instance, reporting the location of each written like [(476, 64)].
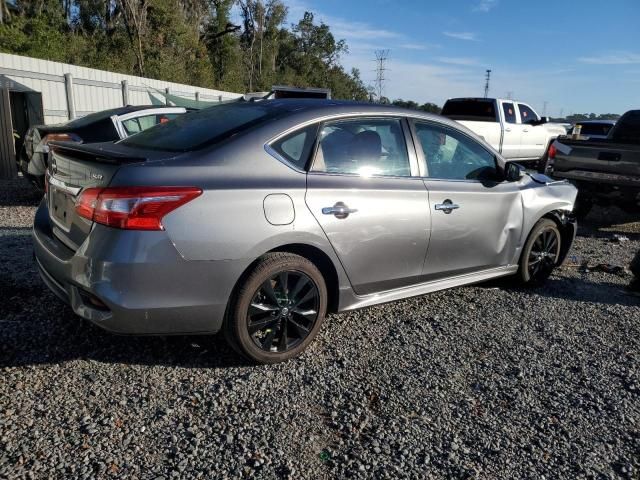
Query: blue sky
[(581, 56)]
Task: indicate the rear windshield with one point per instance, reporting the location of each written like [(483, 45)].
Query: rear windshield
[(476, 110), (205, 127), (595, 129), (627, 130)]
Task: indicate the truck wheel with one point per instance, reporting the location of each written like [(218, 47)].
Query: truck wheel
[(540, 254), (544, 160)]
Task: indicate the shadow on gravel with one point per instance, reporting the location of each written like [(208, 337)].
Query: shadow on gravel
[(36, 328), (584, 290), (19, 193)]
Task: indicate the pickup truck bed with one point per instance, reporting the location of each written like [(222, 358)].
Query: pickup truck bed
[(606, 171)]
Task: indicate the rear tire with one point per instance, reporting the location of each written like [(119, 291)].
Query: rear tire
[(278, 309), (540, 253)]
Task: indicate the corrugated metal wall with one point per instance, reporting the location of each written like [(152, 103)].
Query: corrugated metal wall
[(92, 90)]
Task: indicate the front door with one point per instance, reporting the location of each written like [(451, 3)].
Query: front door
[(534, 137), (364, 191), (476, 218)]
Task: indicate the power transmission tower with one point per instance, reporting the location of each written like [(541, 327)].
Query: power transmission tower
[(486, 85), (510, 95), (381, 68), (544, 109)]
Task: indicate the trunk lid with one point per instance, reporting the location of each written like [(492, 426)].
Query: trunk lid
[(72, 168)]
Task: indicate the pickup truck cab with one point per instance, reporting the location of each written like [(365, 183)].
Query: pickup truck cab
[(512, 127), (606, 171)]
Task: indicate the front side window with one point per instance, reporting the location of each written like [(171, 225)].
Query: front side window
[(367, 147), (509, 112), (526, 114), (451, 155)]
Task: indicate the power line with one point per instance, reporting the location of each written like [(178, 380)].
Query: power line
[(486, 85), (381, 68)]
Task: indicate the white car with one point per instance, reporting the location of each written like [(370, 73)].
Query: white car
[(510, 126)]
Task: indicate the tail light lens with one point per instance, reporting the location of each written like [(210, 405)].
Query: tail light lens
[(60, 137), (552, 152), (133, 208)]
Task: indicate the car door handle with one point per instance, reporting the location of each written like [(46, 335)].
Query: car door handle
[(507, 129), (447, 206), (525, 130), (340, 210), (609, 156)]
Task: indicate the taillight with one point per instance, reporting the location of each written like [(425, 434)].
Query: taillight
[(60, 137), (552, 152), (133, 208)]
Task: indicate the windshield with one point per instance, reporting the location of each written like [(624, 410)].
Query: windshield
[(478, 110), (205, 127)]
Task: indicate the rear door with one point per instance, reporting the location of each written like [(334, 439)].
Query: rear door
[(365, 192), (476, 219), (512, 131)]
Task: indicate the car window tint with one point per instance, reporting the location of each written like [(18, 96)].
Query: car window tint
[(363, 147), (131, 126), (509, 112), (208, 126), (296, 147), (147, 121), (453, 156), (526, 114)]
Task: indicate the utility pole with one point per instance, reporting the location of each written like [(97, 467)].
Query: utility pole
[(381, 68), (486, 85), (544, 108)]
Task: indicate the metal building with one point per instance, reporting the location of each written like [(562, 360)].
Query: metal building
[(34, 91)]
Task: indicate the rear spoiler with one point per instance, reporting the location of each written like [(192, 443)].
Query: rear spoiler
[(95, 152)]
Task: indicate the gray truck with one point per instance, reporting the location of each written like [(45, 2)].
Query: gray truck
[(606, 171)]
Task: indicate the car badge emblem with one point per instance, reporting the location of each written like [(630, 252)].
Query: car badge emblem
[(97, 176)]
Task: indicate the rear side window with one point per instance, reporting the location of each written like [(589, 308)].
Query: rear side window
[(366, 147), (509, 112), (205, 127), (296, 147), (595, 129), (526, 114), (478, 110), (627, 129)]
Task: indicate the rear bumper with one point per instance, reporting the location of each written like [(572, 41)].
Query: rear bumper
[(134, 282)]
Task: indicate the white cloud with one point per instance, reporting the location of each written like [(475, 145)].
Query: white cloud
[(485, 5), (613, 58), (469, 36), (346, 29), (462, 61)]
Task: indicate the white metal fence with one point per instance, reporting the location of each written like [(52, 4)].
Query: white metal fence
[(68, 91)]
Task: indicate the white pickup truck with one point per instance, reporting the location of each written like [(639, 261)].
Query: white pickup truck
[(513, 128)]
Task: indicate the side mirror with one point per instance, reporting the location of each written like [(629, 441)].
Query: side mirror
[(513, 172)]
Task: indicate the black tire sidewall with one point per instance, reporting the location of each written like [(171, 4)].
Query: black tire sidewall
[(523, 271), (268, 266)]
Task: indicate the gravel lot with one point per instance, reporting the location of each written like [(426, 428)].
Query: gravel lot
[(486, 381)]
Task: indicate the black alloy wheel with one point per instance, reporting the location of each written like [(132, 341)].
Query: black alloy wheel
[(541, 253), (283, 311), (277, 309)]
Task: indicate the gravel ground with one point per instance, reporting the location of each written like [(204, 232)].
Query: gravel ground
[(487, 381)]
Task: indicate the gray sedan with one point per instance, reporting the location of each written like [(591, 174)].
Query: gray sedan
[(258, 218)]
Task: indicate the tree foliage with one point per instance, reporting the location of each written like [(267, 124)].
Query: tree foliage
[(187, 41)]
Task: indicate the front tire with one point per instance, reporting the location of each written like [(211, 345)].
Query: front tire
[(278, 309), (540, 254)]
